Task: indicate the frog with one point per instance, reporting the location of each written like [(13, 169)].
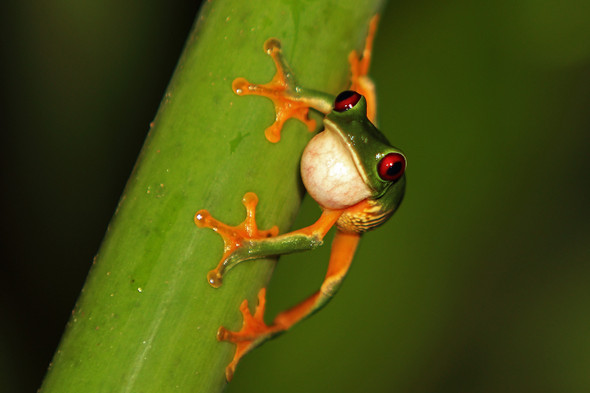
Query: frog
[(349, 168)]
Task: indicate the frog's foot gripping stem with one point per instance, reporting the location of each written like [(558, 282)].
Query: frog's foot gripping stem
[(255, 331), (245, 241), (359, 67), (235, 238), (289, 99)]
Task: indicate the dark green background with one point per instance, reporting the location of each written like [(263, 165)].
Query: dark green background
[(478, 284)]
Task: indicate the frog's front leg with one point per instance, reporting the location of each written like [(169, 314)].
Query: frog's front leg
[(237, 239), (245, 241), (359, 71), (290, 99)]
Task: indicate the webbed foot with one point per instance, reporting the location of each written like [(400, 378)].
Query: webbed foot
[(235, 238), (290, 99), (253, 332)]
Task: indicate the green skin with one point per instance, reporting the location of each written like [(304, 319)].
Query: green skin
[(366, 146), (365, 142)]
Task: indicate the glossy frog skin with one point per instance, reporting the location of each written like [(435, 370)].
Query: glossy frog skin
[(351, 161), (350, 169)]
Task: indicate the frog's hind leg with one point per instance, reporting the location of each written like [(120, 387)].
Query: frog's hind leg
[(255, 331), (343, 249)]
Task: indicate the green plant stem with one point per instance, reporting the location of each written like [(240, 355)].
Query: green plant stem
[(146, 319)]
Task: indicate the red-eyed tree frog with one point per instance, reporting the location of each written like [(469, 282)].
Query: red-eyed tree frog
[(350, 169)]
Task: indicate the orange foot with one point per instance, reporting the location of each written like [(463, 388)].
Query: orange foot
[(280, 90), (253, 332), (234, 237)]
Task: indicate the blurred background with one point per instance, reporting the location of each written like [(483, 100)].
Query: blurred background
[(480, 283)]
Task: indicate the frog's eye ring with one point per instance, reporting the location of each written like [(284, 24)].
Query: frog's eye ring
[(346, 100), (391, 167)]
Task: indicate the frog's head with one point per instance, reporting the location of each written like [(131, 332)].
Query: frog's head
[(351, 160)]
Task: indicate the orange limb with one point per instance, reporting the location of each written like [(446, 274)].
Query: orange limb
[(280, 91), (233, 236), (245, 241), (255, 331), (359, 67), (321, 227), (244, 339), (292, 101), (343, 249)]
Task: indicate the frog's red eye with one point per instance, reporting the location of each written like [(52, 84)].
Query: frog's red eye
[(391, 167), (346, 100)]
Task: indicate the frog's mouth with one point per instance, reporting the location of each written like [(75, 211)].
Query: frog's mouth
[(330, 126), (330, 170)]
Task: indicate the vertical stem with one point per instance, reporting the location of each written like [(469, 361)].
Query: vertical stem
[(146, 319)]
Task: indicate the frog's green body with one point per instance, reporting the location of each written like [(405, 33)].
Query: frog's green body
[(350, 169)]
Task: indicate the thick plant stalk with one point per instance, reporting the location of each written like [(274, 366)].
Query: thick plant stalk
[(146, 320)]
